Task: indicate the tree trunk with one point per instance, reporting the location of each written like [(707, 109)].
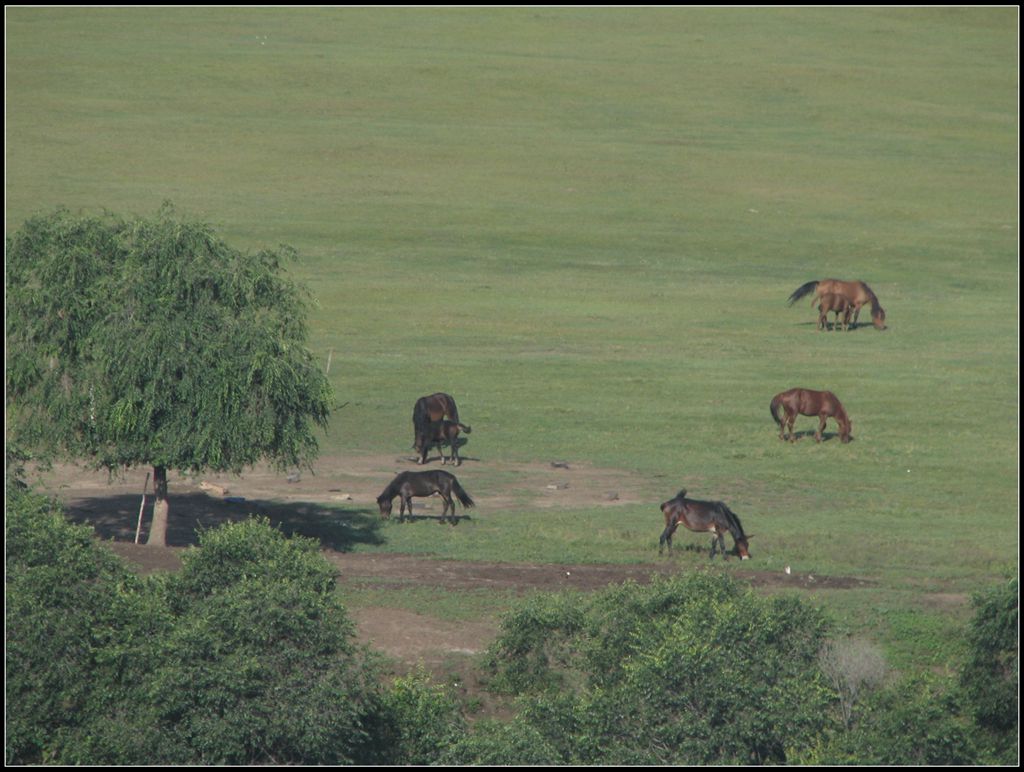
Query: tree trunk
[(158, 528)]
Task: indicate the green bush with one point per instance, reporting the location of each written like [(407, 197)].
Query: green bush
[(496, 743), (76, 621), (422, 720), (991, 675), (692, 669), (245, 656), (914, 722)]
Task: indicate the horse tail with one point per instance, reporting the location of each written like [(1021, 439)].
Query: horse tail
[(420, 418), (461, 494), (774, 407), (453, 410), (802, 290)]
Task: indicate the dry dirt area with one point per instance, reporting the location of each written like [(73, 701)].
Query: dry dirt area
[(303, 506)]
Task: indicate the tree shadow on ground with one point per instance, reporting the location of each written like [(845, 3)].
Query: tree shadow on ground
[(117, 517)]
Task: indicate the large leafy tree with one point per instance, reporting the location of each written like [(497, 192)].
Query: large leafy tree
[(151, 341)]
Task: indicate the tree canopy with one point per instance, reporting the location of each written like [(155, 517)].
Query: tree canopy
[(151, 341)]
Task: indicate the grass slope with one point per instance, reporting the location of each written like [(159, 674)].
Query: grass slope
[(584, 224)]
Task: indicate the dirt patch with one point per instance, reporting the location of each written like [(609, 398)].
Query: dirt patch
[(307, 504)]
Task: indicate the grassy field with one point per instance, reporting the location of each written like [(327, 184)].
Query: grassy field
[(584, 224)]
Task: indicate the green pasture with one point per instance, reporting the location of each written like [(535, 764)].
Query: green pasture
[(584, 224)]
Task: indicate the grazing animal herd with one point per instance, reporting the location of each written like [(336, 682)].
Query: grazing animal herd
[(435, 420)]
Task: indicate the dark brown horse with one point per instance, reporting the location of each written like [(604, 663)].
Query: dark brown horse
[(427, 410), (703, 516), (823, 404), (440, 433), (857, 292), (410, 484), (833, 303)]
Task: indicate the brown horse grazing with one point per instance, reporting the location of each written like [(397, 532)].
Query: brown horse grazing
[(701, 516), (409, 484), (439, 433), (823, 404), (427, 410), (830, 302), (857, 292)]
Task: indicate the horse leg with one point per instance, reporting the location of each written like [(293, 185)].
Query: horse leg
[(666, 538), (714, 544), (668, 541), (791, 420), (821, 428), (721, 546)]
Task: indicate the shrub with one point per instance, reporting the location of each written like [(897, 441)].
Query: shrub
[(854, 667), (422, 721), (246, 656), (76, 619), (692, 669), (991, 675), (916, 721), (495, 743)]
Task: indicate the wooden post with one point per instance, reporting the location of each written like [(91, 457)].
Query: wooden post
[(138, 528)]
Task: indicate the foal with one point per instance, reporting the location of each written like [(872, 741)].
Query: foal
[(839, 304), (438, 433)]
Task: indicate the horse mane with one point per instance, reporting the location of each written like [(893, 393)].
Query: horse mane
[(732, 521), (873, 299), (390, 491), (842, 417)]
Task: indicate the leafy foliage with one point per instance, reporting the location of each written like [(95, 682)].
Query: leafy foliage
[(423, 721), (260, 664), (694, 669), (76, 621), (991, 676), (915, 721), (496, 743), (153, 341), (245, 656)]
